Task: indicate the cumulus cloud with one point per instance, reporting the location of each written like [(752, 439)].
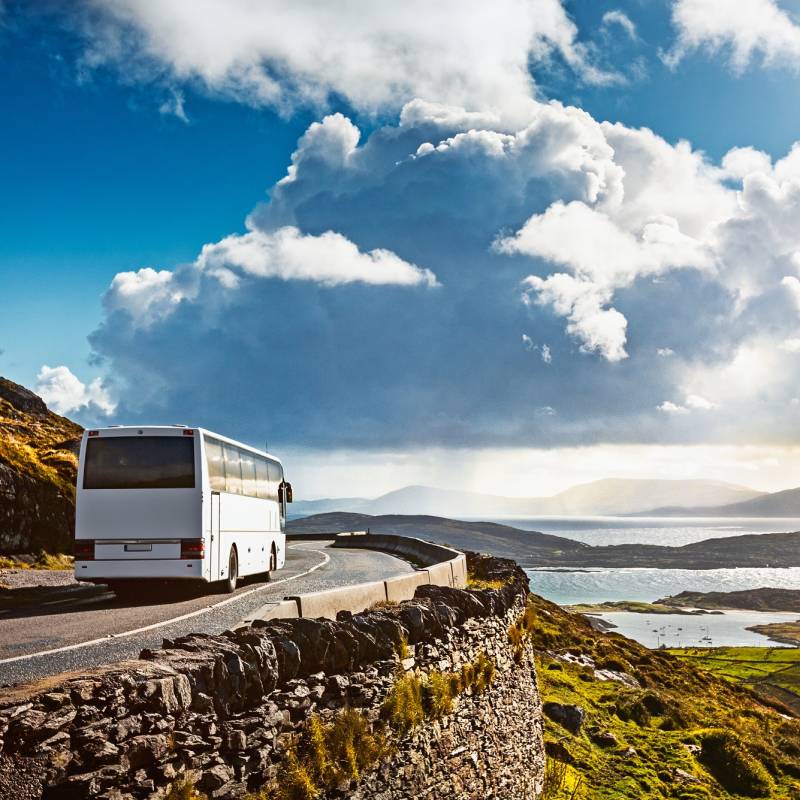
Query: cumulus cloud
[(694, 402), (599, 329), (65, 393), (748, 28), (375, 56), (329, 259), (322, 316), (603, 258)]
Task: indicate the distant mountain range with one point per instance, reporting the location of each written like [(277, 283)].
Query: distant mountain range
[(533, 550), (776, 504), (612, 496)]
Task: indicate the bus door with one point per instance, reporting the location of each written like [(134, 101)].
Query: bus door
[(214, 545)]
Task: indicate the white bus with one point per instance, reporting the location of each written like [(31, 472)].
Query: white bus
[(171, 502)]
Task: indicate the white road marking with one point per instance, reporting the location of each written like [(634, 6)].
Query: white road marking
[(325, 560)]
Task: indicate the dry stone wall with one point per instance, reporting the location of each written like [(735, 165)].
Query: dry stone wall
[(221, 711)]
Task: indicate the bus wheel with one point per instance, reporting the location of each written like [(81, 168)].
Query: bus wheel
[(233, 572), (273, 563)]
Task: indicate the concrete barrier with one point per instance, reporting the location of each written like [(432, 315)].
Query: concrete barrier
[(281, 609), (403, 586), (459, 566), (358, 597), (440, 574), (436, 564)]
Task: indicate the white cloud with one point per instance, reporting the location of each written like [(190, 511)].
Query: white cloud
[(377, 56), (616, 209), (544, 350), (174, 105), (695, 401), (64, 392), (791, 345), (620, 18), (329, 259), (750, 28), (599, 329), (792, 285), (739, 162), (603, 258), (668, 407)]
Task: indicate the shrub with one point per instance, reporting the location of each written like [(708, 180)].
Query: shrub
[(729, 761), (403, 705), (184, 790), (438, 695)]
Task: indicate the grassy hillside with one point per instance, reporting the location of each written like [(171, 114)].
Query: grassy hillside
[(654, 725), (38, 465), (762, 668)]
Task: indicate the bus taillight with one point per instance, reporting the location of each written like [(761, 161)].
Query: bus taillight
[(84, 550), (192, 548)]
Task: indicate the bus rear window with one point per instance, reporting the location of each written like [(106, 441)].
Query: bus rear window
[(139, 462)]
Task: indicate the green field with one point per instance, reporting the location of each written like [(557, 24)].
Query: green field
[(760, 668)]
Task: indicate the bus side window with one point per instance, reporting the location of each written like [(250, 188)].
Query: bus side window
[(275, 478), (262, 479), (216, 466), (248, 462), (233, 470)]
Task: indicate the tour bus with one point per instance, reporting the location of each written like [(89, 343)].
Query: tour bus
[(176, 503)]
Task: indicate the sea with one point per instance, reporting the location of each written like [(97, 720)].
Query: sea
[(728, 629)]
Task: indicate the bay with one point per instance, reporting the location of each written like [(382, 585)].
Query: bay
[(672, 531)]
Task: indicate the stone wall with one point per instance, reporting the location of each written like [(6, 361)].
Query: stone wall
[(220, 711)]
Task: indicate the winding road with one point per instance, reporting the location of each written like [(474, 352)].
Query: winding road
[(78, 626)]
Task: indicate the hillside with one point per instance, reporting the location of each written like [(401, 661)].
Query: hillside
[(533, 549), (627, 722), (604, 497), (38, 464), (764, 599), (776, 504)]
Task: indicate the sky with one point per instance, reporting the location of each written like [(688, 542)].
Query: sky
[(503, 247)]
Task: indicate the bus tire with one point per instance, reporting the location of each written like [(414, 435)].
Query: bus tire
[(233, 571), (273, 562)]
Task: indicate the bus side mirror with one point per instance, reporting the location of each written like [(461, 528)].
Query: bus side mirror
[(288, 492)]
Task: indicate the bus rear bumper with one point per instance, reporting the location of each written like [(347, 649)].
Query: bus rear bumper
[(123, 569)]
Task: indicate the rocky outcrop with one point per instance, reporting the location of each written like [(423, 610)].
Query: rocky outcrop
[(221, 711), (38, 465)]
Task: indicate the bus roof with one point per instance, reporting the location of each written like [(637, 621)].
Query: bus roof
[(156, 430)]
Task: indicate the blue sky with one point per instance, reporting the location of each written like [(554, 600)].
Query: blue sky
[(456, 269)]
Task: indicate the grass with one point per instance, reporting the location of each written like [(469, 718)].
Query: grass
[(326, 755), (39, 446), (43, 560), (184, 790), (677, 708)]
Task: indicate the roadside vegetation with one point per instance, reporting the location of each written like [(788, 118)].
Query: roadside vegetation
[(42, 560)]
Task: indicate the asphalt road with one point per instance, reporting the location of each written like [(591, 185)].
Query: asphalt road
[(78, 626)]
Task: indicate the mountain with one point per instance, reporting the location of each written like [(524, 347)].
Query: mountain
[(776, 504), (604, 497), (38, 467), (532, 549)]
